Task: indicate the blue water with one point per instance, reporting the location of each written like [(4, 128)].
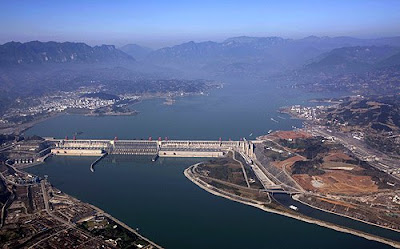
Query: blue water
[(158, 199), (169, 209), (232, 112)]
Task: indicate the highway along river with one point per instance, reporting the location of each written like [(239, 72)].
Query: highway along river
[(156, 197)]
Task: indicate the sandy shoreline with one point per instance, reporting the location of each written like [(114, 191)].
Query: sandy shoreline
[(203, 185)]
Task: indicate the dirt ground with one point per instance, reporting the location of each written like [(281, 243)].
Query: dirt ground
[(341, 203), (337, 182), (337, 156), (288, 162), (287, 135), (291, 134), (304, 181)]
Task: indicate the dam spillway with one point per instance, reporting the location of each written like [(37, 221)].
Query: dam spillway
[(133, 147), (166, 148)]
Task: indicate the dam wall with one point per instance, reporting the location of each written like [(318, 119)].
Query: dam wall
[(134, 147), (77, 152), (166, 148), (181, 153), (83, 144)]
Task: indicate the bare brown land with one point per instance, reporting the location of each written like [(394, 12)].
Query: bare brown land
[(335, 180), (287, 135), (250, 197)]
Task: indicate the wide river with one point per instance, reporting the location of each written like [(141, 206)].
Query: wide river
[(157, 198)]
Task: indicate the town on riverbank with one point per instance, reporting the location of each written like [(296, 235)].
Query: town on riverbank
[(23, 113)]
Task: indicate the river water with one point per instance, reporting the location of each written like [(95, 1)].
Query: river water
[(158, 199), (232, 112)]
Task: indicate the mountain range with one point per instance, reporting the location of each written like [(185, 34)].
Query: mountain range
[(38, 67), (356, 59), (35, 52), (270, 54)]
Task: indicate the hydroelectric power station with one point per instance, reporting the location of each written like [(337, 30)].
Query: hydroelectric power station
[(162, 148), (165, 148)]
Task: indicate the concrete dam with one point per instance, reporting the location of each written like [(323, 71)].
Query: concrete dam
[(162, 148), (166, 148)]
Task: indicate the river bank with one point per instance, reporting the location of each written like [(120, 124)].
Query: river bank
[(205, 186), (21, 128), (122, 224), (296, 198), (76, 216), (169, 98)]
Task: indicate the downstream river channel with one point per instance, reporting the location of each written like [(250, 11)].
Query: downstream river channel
[(156, 197)]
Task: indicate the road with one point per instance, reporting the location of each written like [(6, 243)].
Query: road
[(47, 207), (285, 164), (278, 175), (262, 177), (7, 147), (243, 169), (66, 223), (359, 148)]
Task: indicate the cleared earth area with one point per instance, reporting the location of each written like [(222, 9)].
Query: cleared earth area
[(333, 178)]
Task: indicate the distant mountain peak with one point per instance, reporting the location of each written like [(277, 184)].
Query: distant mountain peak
[(136, 51), (355, 58), (36, 52)]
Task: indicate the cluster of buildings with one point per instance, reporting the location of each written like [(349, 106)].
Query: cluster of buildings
[(358, 135), (28, 151), (306, 112), (59, 102), (21, 179), (55, 105)]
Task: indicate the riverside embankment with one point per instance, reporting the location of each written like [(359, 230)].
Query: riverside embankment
[(190, 174)]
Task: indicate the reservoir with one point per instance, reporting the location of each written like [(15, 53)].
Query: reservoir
[(156, 197), (232, 112)]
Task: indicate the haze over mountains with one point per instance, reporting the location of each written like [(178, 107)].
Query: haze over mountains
[(38, 67), (36, 52), (270, 54), (356, 59), (136, 51), (276, 52)]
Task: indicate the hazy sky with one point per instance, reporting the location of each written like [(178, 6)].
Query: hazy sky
[(157, 23)]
